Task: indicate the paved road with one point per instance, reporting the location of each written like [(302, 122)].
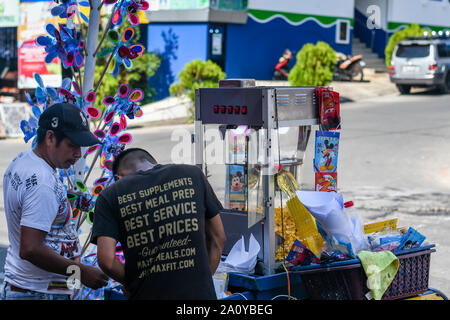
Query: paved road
[(393, 163)]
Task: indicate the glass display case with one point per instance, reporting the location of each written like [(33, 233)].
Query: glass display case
[(244, 135)]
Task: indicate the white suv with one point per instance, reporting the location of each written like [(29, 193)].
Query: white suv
[(421, 62)]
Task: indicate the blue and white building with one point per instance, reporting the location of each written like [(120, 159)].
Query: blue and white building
[(393, 15), (246, 37)]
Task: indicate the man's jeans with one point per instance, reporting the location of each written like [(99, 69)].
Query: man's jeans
[(7, 294)]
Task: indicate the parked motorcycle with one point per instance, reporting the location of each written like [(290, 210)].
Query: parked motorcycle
[(282, 68), (349, 68)]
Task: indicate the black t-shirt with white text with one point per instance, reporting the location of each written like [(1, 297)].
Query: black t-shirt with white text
[(158, 216)]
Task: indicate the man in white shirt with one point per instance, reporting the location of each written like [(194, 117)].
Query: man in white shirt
[(44, 246)]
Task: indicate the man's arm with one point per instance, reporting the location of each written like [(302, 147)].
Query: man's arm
[(34, 250), (107, 260), (215, 240)]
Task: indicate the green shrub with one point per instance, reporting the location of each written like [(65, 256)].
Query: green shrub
[(314, 66), (145, 66), (196, 74), (412, 30)]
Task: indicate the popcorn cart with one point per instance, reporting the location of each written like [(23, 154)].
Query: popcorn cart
[(245, 138), (243, 135)]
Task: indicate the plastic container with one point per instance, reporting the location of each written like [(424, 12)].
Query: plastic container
[(347, 280)]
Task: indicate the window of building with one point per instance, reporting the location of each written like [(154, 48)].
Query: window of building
[(343, 31)]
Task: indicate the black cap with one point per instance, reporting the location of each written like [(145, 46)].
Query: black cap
[(70, 120)]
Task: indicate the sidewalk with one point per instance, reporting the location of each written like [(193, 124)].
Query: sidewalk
[(174, 110), (374, 85)]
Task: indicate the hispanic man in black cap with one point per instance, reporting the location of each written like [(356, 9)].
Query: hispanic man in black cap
[(44, 246)]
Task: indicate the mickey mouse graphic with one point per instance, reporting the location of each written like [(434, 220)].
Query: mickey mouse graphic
[(326, 152), (236, 184)]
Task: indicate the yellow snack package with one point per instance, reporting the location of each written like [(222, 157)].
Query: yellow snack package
[(304, 222), (380, 226)]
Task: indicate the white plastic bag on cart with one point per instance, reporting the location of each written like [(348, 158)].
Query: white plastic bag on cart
[(342, 232), (240, 260), (220, 280)]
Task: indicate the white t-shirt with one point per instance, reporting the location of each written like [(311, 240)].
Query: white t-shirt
[(36, 198)]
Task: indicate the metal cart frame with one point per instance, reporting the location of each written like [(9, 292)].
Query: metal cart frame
[(269, 108)]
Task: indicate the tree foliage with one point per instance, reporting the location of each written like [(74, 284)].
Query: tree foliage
[(412, 30), (145, 66), (196, 74), (314, 66)]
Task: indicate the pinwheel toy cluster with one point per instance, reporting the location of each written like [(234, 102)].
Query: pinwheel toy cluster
[(64, 43), (127, 7), (108, 118), (122, 51)]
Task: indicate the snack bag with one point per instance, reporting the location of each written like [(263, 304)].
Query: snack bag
[(304, 221), (329, 108), (301, 255), (385, 240), (381, 226), (326, 151), (326, 181), (412, 239)]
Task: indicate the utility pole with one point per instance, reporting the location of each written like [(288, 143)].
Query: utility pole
[(89, 69)]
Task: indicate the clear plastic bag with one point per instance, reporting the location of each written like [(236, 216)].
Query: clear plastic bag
[(388, 240), (358, 237), (220, 280), (341, 231)]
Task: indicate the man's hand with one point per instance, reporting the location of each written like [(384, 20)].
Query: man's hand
[(33, 249), (93, 277), (215, 240)]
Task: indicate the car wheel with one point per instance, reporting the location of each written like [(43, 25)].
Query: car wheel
[(404, 88), (445, 88)]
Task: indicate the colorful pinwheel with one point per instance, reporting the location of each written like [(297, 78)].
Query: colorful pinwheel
[(63, 44), (75, 97), (123, 104), (62, 10), (112, 144), (84, 201), (65, 94), (29, 128), (74, 46), (123, 52), (68, 9), (92, 111), (44, 95), (84, 103), (129, 7), (47, 96)]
